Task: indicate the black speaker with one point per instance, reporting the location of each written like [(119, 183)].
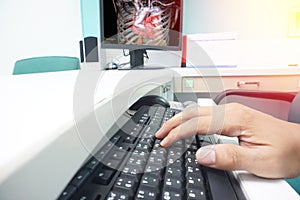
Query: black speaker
[(91, 49), (81, 51)]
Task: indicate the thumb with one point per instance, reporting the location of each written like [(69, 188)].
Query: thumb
[(224, 156)]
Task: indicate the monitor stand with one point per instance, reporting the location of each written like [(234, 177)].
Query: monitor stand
[(137, 57), (137, 61)]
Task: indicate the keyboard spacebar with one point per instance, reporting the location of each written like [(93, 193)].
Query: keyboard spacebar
[(219, 184)]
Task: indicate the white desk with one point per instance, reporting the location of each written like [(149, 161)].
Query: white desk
[(41, 142), (46, 118)]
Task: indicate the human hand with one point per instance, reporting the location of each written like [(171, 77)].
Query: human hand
[(269, 147)]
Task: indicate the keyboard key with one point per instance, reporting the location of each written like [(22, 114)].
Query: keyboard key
[(129, 139), (92, 164), (147, 141), (112, 163), (159, 152), (175, 152), (133, 169), (193, 182), (174, 172), (191, 161), (157, 174), (192, 147), (161, 160), (104, 176), (80, 178), (124, 146), (86, 195), (194, 171), (124, 192), (67, 193), (172, 195), (139, 156), (143, 147), (118, 154), (146, 193), (100, 155), (157, 144), (118, 195), (196, 194), (173, 184), (151, 181), (154, 168), (127, 181), (115, 139), (136, 161), (175, 163)]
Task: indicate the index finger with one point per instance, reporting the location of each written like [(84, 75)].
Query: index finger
[(185, 115)]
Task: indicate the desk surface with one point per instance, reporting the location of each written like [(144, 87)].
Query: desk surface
[(38, 110), (32, 108), (41, 116)]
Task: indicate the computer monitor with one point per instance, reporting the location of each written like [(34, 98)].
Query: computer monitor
[(138, 25)]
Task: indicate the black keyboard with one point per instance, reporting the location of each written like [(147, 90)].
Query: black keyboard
[(132, 165)]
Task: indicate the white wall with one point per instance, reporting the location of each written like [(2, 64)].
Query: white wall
[(244, 53), (36, 28), (261, 27), (251, 19)]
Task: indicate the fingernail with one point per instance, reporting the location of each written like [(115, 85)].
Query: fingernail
[(163, 142), (206, 155), (159, 131)]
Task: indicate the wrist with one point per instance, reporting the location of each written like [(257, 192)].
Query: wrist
[(295, 142)]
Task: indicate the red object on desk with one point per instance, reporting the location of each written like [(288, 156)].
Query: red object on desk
[(184, 46)]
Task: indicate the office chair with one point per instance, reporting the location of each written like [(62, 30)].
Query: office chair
[(46, 64), (283, 105)]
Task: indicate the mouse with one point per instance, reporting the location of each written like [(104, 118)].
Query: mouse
[(150, 100)]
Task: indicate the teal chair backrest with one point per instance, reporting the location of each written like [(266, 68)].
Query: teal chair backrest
[(294, 116), (46, 64), (295, 183)]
